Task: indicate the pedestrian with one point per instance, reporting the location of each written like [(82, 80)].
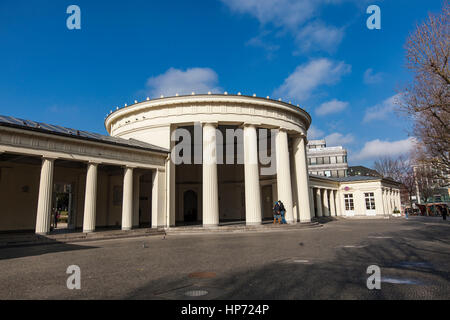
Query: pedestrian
[(444, 213), (276, 213), (406, 213), (56, 217), (282, 212)]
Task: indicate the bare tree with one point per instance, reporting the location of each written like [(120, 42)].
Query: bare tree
[(390, 167), (427, 99), (424, 178), (399, 169)]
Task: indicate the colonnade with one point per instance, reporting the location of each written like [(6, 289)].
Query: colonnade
[(253, 212), (130, 197), (325, 202)]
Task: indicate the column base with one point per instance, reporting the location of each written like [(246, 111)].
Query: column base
[(42, 233), (253, 223), (126, 229), (88, 231), (210, 225)]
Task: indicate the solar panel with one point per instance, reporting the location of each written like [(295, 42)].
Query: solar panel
[(56, 129)]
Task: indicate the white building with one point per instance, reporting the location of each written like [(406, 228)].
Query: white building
[(326, 161), (130, 178)]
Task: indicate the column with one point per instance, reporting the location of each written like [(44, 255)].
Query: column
[(389, 202), (311, 203), (284, 174), (326, 209), (90, 198), (338, 204), (332, 204), (301, 170), (45, 197), (158, 198), (252, 187), (136, 194), (319, 202), (127, 206), (210, 181)]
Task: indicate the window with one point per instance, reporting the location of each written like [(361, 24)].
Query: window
[(341, 173), (319, 160), (328, 173), (335, 174), (313, 160), (370, 201), (339, 159), (348, 198), (333, 160), (326, 160)]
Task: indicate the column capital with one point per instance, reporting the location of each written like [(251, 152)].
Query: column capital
[(49, 158), (212, 123), (248, 124)]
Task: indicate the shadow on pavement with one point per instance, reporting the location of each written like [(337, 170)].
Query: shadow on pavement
[(52, 246), (405, 256)]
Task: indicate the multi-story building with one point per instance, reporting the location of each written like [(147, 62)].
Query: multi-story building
[(326, 161)]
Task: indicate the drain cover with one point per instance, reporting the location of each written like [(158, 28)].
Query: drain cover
[(196, 293), (202, 275)]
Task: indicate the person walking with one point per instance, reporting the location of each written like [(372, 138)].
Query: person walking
[(282, 212), (55, 218), (276, 213)]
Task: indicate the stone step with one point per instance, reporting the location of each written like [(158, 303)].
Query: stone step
[(34, 239), (243, 228)]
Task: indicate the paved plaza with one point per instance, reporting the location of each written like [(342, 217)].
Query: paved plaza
[(321, 263)]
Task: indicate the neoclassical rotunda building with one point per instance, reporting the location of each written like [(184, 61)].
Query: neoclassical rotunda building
[(212, 190), (240, 154)]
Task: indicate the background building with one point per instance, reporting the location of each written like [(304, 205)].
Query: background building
[(326, 161), (362, 171)]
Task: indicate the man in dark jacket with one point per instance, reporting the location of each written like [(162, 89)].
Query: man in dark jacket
[(282, 212), (276, 213)]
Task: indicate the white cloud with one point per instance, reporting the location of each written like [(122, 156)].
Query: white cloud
[(198, 80), (378, 148), (338, 139), (382, 110), (317, 36), (288, 14), (260, 42), (372, 78), (315, 133), (300, 18), (307, 77), (333, 106)]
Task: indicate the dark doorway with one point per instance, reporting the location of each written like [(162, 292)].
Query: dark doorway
[(190, 206)]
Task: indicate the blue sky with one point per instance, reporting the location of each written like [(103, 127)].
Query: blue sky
[(316, 53)]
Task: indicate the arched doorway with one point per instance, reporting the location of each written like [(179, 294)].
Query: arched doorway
[(190, 206)]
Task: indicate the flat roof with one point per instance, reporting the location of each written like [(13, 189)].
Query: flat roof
[(12, 122), (354, 178)]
